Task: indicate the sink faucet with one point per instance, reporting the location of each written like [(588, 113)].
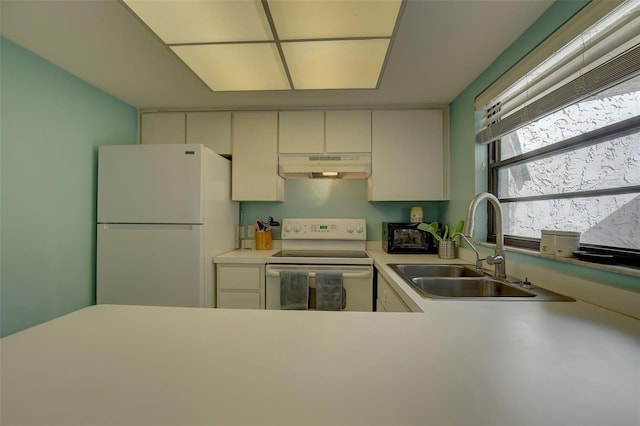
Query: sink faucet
[(498, 258), (475, 250)]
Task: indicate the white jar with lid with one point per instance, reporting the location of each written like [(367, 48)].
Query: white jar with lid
[(559, 243), (416, 214)]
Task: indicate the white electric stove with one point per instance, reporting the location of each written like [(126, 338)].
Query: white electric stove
[(324, 245)]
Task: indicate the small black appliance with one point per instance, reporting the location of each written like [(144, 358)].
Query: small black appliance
[(407, 238)]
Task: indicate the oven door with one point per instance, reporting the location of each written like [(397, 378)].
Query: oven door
[(357, 284)]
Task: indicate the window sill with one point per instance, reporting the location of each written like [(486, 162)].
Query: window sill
[(627, 270)]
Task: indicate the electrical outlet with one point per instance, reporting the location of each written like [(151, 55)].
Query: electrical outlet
[(251, 231)]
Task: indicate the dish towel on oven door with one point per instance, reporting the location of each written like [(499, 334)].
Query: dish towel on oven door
[(294, 290), (328, 291)]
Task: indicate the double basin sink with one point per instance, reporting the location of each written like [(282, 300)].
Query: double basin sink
[(463, 282)]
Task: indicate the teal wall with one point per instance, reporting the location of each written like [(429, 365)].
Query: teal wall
[(51, 125), (337, 198), (467, 175), (52, 122)]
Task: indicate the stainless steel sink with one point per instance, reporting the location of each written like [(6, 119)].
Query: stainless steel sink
[(455, 282), (473, 287), (418, 270)]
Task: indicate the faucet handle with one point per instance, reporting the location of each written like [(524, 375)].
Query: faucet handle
[(495, 260)]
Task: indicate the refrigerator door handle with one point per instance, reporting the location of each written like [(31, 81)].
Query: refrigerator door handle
[(149, 227)]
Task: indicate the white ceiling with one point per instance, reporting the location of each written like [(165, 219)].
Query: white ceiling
[(440, 48)]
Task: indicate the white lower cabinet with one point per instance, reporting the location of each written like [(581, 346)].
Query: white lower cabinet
[(388, 299), (240, 286)]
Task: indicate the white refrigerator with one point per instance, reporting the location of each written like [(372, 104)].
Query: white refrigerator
[(164, 212)]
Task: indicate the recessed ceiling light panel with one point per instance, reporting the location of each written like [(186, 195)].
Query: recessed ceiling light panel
[(252, 45), (295, 19), (204, 21), (231, 67), (341, 64)]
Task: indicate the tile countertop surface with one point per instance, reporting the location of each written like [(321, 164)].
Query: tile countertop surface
[(455, 363)]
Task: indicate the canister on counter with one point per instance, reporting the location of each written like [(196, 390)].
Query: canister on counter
[(263, 240), (416, 215), (559, 243)]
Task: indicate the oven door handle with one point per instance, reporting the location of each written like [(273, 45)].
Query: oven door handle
[(363, 274)]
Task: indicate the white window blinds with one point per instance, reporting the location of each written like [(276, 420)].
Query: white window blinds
[(604, 53)]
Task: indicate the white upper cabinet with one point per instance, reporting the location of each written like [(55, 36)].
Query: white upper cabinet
[(254, 172), (409, 155), (348, 131), (301, 132), (162, 127), (409, 148), (211, 129), (319, 132)]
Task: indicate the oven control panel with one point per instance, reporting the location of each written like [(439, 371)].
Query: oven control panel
[(324, 229)]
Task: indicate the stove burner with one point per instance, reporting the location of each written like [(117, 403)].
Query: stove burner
[(345, 254)]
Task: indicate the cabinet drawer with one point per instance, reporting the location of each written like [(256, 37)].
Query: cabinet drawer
[(240, 277), (239, 300)]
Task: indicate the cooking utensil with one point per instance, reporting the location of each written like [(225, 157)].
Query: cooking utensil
[(272, 222)]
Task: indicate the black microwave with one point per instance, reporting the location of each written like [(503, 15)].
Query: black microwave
[(407, 238)]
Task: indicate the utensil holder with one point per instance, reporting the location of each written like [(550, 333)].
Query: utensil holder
[(446, 249), (263, 240)]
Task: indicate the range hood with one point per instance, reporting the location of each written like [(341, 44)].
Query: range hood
[(344, 166)]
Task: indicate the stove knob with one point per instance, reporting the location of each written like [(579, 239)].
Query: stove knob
[(296, 228), (360, 229), (287, 228), (350, 229)]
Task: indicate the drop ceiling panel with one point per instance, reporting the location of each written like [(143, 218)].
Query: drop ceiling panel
[(297, 19), (229, 67), (198, 21), (335, 64), (440, 47)]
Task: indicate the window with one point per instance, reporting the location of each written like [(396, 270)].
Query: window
[(564, 142)]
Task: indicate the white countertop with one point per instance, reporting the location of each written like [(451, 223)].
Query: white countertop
[(464, 363), (246, 256), (614, 298), (454, 363)]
